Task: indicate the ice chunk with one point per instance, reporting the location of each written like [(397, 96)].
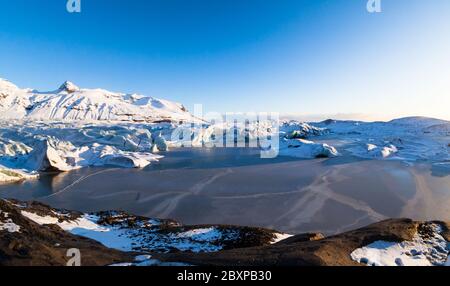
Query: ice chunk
[(8, 175), (307, 149)]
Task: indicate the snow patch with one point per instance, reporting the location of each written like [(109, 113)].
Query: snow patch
[(280, 236), (202, 234), (141, 238), (423, 250), (85, 222), (6, 224)]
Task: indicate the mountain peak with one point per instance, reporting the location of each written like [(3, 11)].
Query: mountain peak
[(6, 84), (69, 87)]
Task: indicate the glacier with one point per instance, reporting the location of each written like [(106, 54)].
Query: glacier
[(71, 128)]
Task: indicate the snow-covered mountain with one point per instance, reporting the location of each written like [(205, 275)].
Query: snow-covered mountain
[(69, 102)]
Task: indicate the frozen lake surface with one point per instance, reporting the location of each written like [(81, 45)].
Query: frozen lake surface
[(235, 186)]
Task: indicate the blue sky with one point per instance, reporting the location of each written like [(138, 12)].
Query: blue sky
[(303, 57)]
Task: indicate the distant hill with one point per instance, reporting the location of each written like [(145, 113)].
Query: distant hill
[(419, 121)]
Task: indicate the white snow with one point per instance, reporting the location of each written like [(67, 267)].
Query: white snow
[(280, 236), (6, 224), (417, 122), (9, 226), (407, 139), (133, 239), (69, 102), (202, 234), (86, 222), (418, 252)]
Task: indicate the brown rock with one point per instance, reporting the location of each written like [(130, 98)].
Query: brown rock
[(331, 251), (48, 245)]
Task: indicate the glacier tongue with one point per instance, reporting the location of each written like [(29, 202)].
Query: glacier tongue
[(53, 154), (50, 147)]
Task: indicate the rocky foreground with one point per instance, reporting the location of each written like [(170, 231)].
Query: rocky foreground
[(33, 234)]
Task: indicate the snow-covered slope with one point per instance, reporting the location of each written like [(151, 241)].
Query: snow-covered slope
[(410, 139), (13, 101), (418, 121), (126, 232), (69, 102)]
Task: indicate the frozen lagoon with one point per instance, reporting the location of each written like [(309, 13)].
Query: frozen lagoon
[(235, 186)]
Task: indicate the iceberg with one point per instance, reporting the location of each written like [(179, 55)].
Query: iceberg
[(381, 152), (52, 154), (56, 155), (307, 149)]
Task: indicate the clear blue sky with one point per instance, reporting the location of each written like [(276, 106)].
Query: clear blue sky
[(293, 56)]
